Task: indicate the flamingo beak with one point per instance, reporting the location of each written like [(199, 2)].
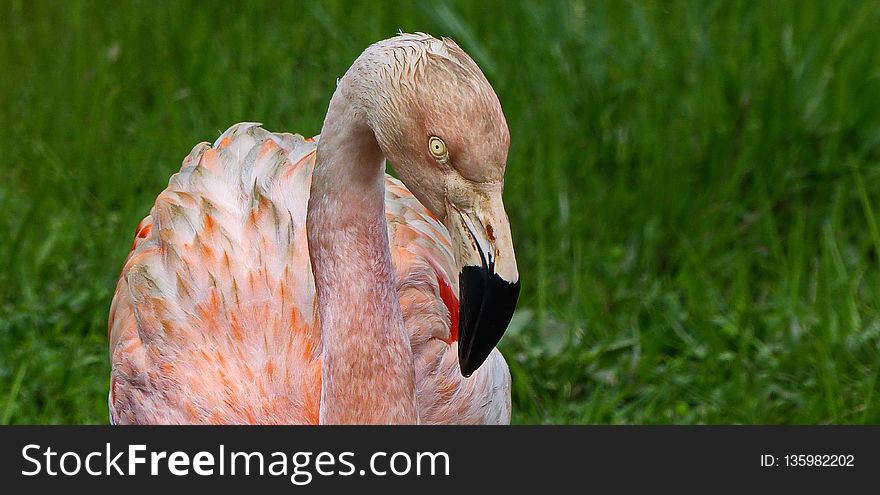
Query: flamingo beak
[(486, 303), (488, 281)]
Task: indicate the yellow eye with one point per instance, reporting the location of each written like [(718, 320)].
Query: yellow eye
[(437, 147)]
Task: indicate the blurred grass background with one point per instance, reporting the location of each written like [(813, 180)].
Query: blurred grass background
[(693, 187)]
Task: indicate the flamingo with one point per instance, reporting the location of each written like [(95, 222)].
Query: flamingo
[(288, 280)]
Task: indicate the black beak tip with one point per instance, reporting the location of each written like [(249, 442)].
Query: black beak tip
[(486, 306), (465, 372)]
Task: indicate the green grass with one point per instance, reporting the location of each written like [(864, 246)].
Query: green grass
[(693, 187)]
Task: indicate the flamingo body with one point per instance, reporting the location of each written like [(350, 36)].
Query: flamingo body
[(215, 320)]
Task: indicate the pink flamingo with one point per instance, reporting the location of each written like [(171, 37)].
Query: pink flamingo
[(287, 280)]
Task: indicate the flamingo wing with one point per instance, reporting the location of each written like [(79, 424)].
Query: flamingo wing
[(214, 318)]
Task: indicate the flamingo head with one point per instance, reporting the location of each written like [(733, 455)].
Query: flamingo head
[(440, 124)]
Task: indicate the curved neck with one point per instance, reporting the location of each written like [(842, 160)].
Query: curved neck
[(367, 369)]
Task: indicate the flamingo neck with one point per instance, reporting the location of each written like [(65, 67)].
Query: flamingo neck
[(367, 370)]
